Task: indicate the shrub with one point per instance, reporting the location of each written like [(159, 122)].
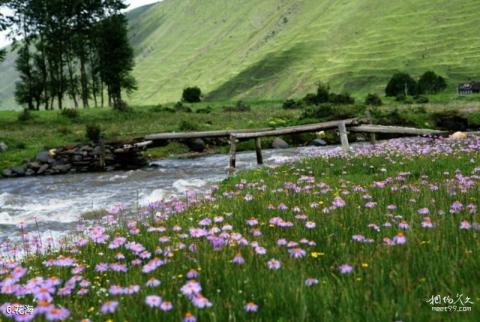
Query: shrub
[(25, 116), (323, 93), (450, 120), (179, 107), (93, 133), (321, 111), (310, 99), (342, 112), (70, 113), (373, 100), (431, 83), (393, 117), (401, 84), (187, 126), (192, 95), (291, 104), (341, 99)]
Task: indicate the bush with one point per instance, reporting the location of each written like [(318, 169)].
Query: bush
[(291, 104), (321, 111), (450, 121), (187, 126), (341, 99), (179, 107), (24, 116), (323, 93), (401, 84), (93, 133), (421, 99), (347, 111), (160, 109), (431, 83), (192, 95), (373, 100), (70, 113), (393, 117), (310, 99)]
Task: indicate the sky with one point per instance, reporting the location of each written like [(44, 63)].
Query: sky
[(133, 4)]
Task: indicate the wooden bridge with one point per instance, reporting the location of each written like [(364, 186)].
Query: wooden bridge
[(343, 126)]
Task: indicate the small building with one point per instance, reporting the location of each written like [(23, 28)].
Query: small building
[(469, 88)]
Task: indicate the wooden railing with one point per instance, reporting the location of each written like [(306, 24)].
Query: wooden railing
[(343, 126)]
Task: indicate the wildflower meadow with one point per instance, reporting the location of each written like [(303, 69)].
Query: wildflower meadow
[(386, 233)]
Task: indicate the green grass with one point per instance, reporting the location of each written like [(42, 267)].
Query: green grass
[(388, 283), (247, 49)]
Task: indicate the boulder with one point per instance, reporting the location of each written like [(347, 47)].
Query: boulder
[(42, 157), (197, 145), (3, 147), (458, 136), (19, 171), (43, 169), (62, 168), (318, 142), (280, 144)]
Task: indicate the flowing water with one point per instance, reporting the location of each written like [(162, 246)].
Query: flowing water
[(57, 202)]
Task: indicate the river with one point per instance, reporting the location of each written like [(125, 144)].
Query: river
[(57, 202)]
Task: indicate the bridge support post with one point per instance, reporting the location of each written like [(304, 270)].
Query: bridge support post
[(233, 152), (258, 148), (342, 131), (373, 138)]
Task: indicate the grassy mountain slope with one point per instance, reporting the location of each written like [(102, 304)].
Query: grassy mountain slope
[(280, 48)]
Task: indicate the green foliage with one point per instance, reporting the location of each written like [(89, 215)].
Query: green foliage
[(192, 95), (321, 111), (373, 100), (431, 83), (116, 57), (341, 99), (93, 133), (401, 84), (324, 96)]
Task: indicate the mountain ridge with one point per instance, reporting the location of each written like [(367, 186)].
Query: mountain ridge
[(274, 49)]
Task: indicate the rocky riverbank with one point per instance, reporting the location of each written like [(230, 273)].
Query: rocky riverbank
[(81, 158)]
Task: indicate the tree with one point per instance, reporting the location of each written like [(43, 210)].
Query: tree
[(116, 58), (431, 83), (401, 84), (64, 39), (192, 95)]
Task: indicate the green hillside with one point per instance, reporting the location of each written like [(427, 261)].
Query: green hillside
[(280, 48)]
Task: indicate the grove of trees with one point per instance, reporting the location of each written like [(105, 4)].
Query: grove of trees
[(402, 84), (71, 52)]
